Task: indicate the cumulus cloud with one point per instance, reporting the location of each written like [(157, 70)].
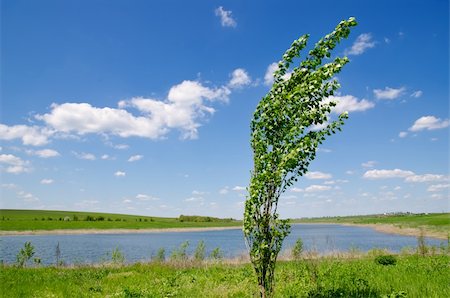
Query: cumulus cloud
[(47, 181), (45, 153), (119, 174), (349, 103), (30, 135), (361, 44), (318, 175), (225, 16), (14, 164), (385, 174), (389, 93), (135, 158), (429, 123), (239, 78), (185, 105)]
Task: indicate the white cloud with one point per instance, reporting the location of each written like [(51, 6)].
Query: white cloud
[(369, 164), (184, 107), (135, 158), (402, 134), (121, 146), (239, 78), (318, 175), (15, 165), (127, 201), (85, 156), (45, 153), (385, 174), (239, 188), (194, 199), (30, 135), (225, 17), (296, 189), (426, 178), (144, 197), (389, 93), (438, 187), (27, 197), (105, 157), (9, 185), (268, 77), (224, 190), (417, 94), (47, 181), (119, 174), (349, 103), (429, 123), (362, 43), (316, 188)]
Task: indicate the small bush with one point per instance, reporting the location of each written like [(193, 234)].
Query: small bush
[(386, 260), (25, 254), (216, 254), (199, 254), (297, 249), (160, 255), (117, 257)]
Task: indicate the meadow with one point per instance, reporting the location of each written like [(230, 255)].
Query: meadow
[(33, 220), (410, 276), (432, 222)]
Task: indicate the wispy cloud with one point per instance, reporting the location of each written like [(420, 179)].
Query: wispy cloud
[(84, 156), (361, 44), (389, 93), (47, 181), (226, 18), (417, 94), (30, 135), (135, 158), (386, 174), (45, 153), (318, 175)]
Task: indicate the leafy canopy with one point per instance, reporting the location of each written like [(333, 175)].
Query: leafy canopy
[(286, 131)]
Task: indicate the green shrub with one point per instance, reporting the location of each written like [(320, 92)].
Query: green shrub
[(386, 260), (25, 254), (199, 254), (117, 257), (297, 249), (160, 255), (216, 254)]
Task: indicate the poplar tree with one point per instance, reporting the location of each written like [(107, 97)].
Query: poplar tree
[(289, 124)]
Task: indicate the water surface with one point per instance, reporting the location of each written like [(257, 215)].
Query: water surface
[(94, 248)]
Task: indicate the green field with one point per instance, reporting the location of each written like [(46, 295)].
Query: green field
[(33, 220), (439, 222), (413, 275)]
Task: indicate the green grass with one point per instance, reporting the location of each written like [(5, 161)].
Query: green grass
[(439, 222), (24, 220), (328, 277)]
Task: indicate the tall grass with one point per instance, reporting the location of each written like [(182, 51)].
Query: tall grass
[(328, 277)]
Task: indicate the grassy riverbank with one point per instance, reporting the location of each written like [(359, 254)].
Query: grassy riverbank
[(35, 220), (413, 275), (432, 224)]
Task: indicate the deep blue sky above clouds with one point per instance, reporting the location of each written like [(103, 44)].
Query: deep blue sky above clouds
[(144, 107)]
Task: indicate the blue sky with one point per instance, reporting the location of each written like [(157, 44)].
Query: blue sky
[(144, 107)]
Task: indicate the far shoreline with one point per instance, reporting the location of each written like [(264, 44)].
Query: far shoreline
[(383, 228), (113, 231)]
